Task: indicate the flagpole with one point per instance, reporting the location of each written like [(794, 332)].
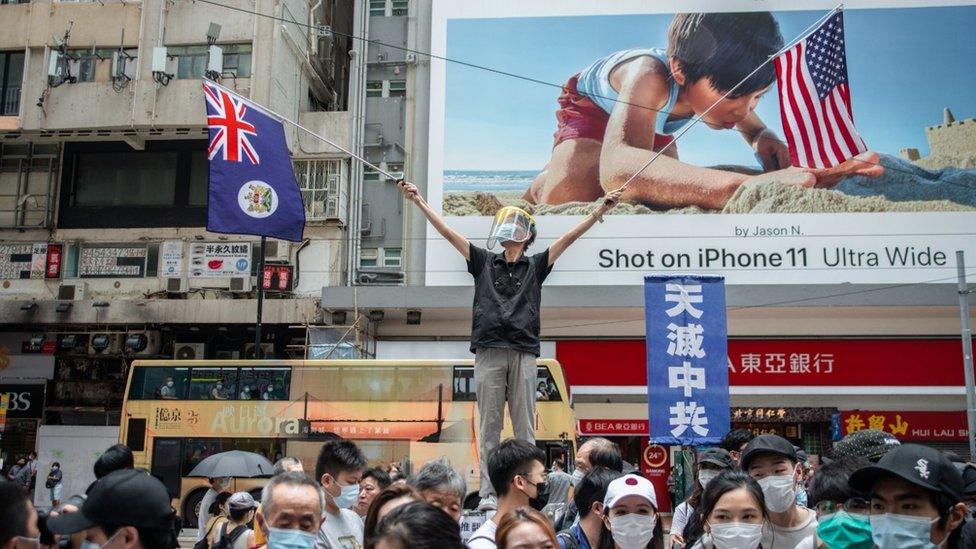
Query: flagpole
[(699, 118), (258, 354)]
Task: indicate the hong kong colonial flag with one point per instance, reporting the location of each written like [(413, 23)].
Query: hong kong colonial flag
[(252, 183), (815, 98)]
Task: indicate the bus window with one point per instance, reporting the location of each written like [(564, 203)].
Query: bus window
[(545, 387), (464, 384), (213, 383), (264, 384), (166, 463), (159, 383), (196, 449)]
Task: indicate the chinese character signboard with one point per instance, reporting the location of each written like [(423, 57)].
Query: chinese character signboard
[(30, 261), (112, 261), (908, 426), (220, 259), (277, 277), (612, 427), (171, 258), (687, 369)]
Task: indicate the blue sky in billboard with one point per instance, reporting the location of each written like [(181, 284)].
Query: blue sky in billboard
[(905, 66)]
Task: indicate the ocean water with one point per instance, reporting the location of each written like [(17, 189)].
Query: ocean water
[(488, 180)]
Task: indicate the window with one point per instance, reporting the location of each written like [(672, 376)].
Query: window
[(321, 183), (191, 61), (377, 7), (159, 383), (273, 383), (11, 80), (367, 257), (111, 185), (89, 66), (213, 383), (400, 7), (395, 169), (464, 386), (374, 88), (398, 88), (196, 449), (264, 383), (391, 257), (370, 174)]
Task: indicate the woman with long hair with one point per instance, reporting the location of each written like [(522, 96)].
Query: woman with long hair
[(733, 513), (525, 528), (711, 463)]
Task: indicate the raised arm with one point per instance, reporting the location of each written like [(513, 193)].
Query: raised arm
[(461, 244), (564, 241)]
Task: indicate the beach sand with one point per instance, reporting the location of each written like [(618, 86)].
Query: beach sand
[(905, 187)]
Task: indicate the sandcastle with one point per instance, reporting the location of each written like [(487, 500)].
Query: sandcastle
[(952, 144)]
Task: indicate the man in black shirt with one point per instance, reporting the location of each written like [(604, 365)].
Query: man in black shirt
[(505, 323)]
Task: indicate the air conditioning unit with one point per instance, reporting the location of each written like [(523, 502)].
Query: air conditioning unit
[(240, 284), (142, 342), (175, 285), (105, 344), (189, 351), (276, 250), (73, 291), (267, 349)]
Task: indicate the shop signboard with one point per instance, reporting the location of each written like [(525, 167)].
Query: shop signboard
[(908, 425)]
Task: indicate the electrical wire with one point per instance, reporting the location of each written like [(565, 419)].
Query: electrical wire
[(513, 75)]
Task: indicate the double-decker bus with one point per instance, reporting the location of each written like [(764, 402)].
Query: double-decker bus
[(177, 412)]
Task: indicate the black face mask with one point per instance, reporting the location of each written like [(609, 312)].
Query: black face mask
[(542, 497)]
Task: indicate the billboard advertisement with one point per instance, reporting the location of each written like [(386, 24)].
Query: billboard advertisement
[(546, 105)]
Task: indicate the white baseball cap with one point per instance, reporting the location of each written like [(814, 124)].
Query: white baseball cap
[(630, 485)]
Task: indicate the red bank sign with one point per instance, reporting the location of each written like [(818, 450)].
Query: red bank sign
[(783, 362), (908, 426)]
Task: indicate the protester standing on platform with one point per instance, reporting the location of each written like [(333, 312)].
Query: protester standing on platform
[(505, 323)]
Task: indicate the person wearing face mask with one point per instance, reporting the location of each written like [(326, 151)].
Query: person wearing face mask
[(291, 512), (630, 515), (733, 513), (842, 512), (772, 461), (167, 391), (217, 392), (595, 452), (916, 499), (517, 470), (711, 463), (234, 534), (588, 498), (217, 485), (126, 509), (340, 469)]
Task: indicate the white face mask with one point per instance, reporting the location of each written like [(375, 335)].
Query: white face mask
[(780, 492), (707, 475), (632, 531), (736, 535), (578, 475)]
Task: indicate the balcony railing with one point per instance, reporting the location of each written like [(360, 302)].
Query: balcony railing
[(10, 105)]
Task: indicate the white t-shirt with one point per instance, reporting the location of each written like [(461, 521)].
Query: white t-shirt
[(682, 513), (204, 516), (342, 531), (807, 543), (484, 537), (789, 538)]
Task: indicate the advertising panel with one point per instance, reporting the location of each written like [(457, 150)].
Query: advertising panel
[(908, 426), (220, 259), (578, 96)]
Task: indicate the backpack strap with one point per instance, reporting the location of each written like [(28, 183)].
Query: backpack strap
[(235, 533), (568, 539)]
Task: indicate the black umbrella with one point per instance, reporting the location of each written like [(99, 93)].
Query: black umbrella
[(234, 463)]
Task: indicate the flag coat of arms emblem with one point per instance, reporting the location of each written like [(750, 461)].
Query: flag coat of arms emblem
[(252, 186), (815, 98)]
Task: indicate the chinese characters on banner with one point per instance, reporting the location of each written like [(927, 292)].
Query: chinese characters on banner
[(687, 368), (908, 426)]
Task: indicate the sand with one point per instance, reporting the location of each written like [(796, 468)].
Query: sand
[(905, 187)]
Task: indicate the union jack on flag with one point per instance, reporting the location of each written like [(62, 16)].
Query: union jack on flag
[(815, 98), (225, 114)]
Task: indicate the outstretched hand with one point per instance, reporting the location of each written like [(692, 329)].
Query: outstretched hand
[(610, 200), (410, 191)]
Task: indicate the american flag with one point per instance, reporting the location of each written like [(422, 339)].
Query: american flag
[(225, 114), (815, 98)]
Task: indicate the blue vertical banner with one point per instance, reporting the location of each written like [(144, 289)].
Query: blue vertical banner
[(687, 359)]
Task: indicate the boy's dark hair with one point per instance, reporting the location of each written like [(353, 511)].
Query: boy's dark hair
[(512, 457), (593, 487), (218, 503), (724, 48), (532, 234), (337, 456), (418, 525), (56, 464), (830, 481), (237, 515), (381, 477), (607, 456), (116, 457), (735, 439), (13, 511)]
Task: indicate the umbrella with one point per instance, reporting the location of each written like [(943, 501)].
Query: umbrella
[(234, 463)]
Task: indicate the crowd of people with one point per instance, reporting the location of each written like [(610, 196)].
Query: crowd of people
[(871, 491)]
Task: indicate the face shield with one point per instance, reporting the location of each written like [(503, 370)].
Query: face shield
[(512, 224)]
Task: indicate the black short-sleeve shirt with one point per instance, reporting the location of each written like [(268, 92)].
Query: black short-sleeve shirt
[(507, 298)]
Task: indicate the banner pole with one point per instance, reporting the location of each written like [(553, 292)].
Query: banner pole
[(258, 354), (967, 351)]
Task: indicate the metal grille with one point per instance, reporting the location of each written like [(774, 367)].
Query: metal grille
[(27, 174), (321, 183)]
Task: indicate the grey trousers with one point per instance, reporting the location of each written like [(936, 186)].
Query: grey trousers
[(501, 373)]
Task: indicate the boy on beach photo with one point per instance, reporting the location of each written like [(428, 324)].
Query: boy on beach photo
[(616, 113)]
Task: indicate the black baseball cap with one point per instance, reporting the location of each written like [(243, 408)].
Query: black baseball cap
[(127, 497), (866, 443), (716, 456), (767, 444), (919, 465)]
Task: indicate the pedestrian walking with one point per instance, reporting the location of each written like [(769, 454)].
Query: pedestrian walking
[(53, 483), (505, 323)]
